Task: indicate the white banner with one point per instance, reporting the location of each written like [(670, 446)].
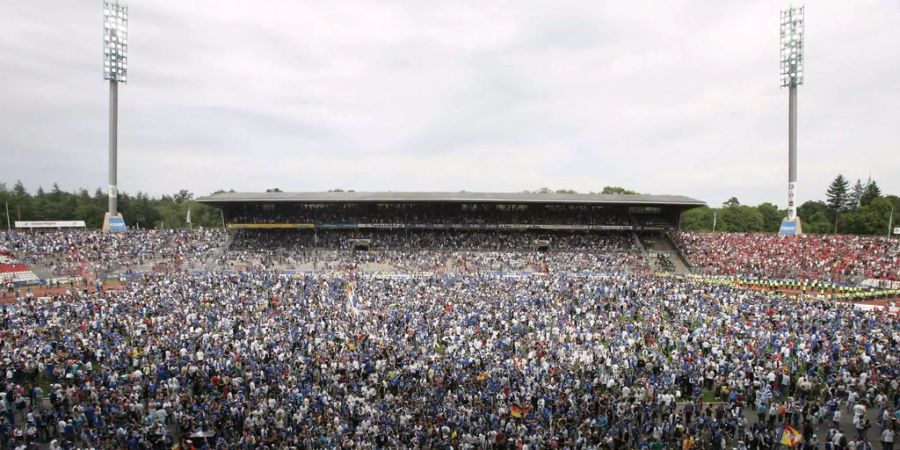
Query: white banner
[(382, 226), (897, 230), (50, 224), (886, 308), (881, 284)]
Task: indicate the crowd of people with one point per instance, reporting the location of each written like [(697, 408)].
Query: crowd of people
[(837, 258), (428, 261), (69, 253), (471, 340), (344, 360), (427, 251), (299, 240)]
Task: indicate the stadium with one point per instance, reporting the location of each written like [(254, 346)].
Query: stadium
[(427, 319), (478, 320), (553, 211)]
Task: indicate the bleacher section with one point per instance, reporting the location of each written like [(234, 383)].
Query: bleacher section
[(12, 271)]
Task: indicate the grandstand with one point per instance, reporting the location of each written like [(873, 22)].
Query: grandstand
[(839, 258), (460, 211), (506, 231), (14, 271)]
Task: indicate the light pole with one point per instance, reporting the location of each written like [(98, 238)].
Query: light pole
[(792, 27), (890, 221), (115, 70)]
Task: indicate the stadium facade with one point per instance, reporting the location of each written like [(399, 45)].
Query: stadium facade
[(443, 210)]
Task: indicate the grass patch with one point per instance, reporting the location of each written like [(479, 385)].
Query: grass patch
[(708, 396), (112, 283)]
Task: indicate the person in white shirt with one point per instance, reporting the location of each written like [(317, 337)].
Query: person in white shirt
[(851, 400), (887, 439), (859, 410)]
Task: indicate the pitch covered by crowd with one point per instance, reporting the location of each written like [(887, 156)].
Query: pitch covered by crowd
[(429, 251), (70, 252), (839, 258), (298, 240), (340, 360)]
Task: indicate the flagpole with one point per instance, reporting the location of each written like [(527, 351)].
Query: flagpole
[(8, 228)]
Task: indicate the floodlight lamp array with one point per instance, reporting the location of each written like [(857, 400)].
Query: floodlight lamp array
[(115, 41), (792, 27)]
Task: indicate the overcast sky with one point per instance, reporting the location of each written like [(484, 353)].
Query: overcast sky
[(673, 97)]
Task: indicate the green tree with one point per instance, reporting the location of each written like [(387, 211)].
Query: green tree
[(809, 208), (5, 196), (90, 213), (20, 205), (617, 190), (856, 194), (838, 196), (871, 218), (772, 216), (895, 200), (19, 189), (739, 218), (817, 223), (138, 209), (733, 201), (697, 219), (871, 193), (183, 195)]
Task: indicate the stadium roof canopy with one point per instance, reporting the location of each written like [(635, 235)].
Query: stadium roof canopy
[(223, 198)]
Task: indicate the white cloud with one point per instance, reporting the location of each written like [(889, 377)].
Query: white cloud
[(674, 97)]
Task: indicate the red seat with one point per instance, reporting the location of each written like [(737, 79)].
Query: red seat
[(12, 268)]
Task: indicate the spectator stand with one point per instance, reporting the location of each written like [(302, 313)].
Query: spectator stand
[(834, 258)]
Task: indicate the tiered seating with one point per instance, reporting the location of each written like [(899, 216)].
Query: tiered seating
[(27, 277), (11, 270), (811, 256), (651, 221)]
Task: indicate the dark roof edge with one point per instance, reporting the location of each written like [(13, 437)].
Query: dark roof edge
[(447, 197)]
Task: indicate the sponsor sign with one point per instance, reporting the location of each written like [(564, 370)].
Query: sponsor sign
[(788, 228), (554, 227), (336, 226), (117, 224), (271, 226), (383, 226), (508, 226), (50, 224)]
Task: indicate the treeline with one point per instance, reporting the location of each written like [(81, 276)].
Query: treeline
[(606, 190), (857, 209), (140, 210)]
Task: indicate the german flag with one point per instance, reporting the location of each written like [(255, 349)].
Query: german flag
[(790, 436), (517, 411)]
